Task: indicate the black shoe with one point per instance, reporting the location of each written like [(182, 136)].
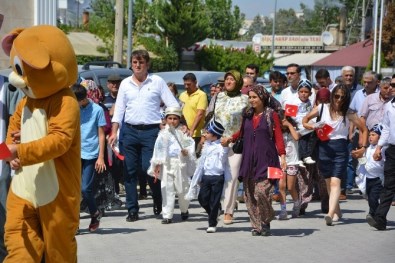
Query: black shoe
[(166, 221), (184, 216), (143, 197), (132, 216), (255, 233), (266, 230), (95, 221), (157, 209), (302, 211), (373, 223)]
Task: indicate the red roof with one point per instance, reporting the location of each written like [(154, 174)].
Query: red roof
[(356, 55)]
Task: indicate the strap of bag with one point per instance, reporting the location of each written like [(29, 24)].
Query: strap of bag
[(322, 108), (242, 128)]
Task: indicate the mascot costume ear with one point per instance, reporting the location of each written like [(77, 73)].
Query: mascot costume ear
[(44, 196)]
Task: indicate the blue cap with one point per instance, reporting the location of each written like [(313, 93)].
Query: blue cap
[(377, 128), (305, 83), (215, 128)]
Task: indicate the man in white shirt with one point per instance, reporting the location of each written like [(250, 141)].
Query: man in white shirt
[(290, 93), (137, 109), (379, 220)]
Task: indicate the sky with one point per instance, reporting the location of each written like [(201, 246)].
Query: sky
[(251, 8)]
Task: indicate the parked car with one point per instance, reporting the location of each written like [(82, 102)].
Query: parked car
[(99, 71), (204, 78)]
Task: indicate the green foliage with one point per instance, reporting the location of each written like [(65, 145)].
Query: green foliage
[(182, 22), (102, 22), (224, 24), (81, 60), (256, 27), (144, 17), (223, 59), (165, 58)]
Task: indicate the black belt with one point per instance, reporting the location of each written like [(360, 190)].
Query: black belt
[(143, 126)]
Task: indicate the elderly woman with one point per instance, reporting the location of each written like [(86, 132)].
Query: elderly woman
[(333, 153), (263, 143), (228, 108)]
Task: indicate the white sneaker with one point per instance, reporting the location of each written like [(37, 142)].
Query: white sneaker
[(308, 160), (211, 229), (301, 164), (282, 215)]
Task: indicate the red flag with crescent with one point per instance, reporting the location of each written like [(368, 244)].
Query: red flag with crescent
[(291, 110), (323, 132), (274, 173)]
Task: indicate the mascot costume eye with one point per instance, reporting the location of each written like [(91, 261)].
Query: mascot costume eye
[(44, 196)]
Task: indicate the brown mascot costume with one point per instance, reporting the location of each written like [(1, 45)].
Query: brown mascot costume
[(43, 201)]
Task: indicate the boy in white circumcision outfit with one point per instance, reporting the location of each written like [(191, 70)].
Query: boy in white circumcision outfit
[(173, 162)]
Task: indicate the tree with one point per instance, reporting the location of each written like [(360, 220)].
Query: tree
[(256, 26), (224, 23), (388, 37), (217, 58), (143, 17), (182, 22), (102, 22)]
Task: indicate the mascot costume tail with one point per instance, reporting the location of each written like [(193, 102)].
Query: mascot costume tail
[(43, 200)]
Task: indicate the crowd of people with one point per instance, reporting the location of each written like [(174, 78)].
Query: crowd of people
[(313, 141), (320, 136)]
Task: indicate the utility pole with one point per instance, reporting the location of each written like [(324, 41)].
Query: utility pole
[(363, 22), (274, 26), (375, 18), (118, 40), (130, 33), (380, 36)]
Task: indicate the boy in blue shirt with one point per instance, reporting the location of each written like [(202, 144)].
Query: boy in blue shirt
[(92, 149)]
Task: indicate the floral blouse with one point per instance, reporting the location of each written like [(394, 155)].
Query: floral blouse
[(228, 111)]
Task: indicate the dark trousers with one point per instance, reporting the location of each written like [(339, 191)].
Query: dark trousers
[(373, 190), (87, 184), (388, 192), (5, 180), (210, 196), (306, 145), (351, 165), (116, 172), (138, 146)]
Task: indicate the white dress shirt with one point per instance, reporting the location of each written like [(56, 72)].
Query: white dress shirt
[(388, 137), (141, 104)]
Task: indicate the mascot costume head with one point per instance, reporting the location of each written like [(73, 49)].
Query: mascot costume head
[(43, 201)]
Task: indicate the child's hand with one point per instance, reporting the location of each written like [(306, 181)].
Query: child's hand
[(358, 153), (157, 170), (377, 154), (99, 165), (15, 164), (285, 123), (184, 152)]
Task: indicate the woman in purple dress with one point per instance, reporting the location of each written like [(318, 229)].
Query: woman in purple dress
[(263, 144)]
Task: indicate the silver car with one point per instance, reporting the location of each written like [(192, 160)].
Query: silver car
[(204, 78)]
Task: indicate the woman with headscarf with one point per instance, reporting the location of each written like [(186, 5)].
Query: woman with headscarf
[(229, 105), (263, 144)]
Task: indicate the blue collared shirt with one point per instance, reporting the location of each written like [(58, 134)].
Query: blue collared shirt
[(141, 104), (359, 98)]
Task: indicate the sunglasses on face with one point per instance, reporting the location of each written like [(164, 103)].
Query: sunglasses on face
[(291, 73), (339, 97), (392, 85)]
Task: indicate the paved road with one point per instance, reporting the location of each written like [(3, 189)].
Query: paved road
[(305, 239)]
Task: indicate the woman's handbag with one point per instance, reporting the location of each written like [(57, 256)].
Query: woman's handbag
[(238, 145)]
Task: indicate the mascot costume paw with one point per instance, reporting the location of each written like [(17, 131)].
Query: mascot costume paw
[(43, 201)]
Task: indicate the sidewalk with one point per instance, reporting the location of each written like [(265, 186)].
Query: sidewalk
[(305, 239)]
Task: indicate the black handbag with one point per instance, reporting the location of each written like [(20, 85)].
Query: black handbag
[(238, 145)]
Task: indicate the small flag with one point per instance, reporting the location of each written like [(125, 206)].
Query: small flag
[(291, 110), (274, 173), (323, 132), (4, 151)]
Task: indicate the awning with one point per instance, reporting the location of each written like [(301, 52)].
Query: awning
[(305, 59), (85, 43)]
